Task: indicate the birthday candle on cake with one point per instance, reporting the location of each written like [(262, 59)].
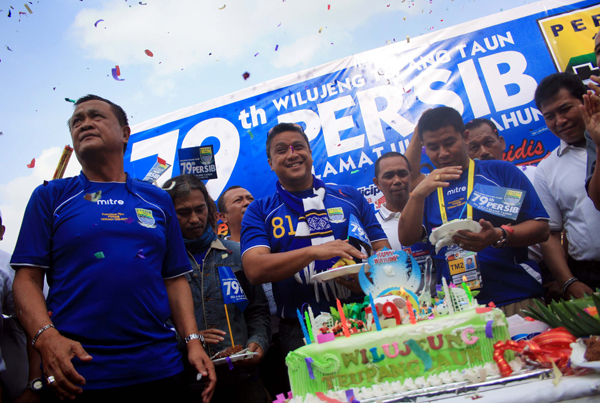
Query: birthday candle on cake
[(447, 298), (411, 314), (303, 326), (309, 327), (313, 324), (467, 290), (374, 311), (343, 319)]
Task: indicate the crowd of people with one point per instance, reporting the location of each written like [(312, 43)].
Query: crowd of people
[(141, 292)]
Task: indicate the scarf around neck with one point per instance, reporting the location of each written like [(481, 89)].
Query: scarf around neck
[(200, 244)]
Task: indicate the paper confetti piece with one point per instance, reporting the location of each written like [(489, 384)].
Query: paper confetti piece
[(70, 100), (324, 398), (8, 48), (142, 4), (129, 220), (198, 376), (329, 6), (246, 75), (149, 53), (320, 29), (488, 329), (8, 13), (557, 374), (118, 70), (251, 135), (221, 8), (350, 396), (419, 352), (229, 363), (407, 39), (279, 25), (276, 47), (93, 197), (353, 172), (309, 362), (96, 23), (46, 182), (31, 164), (140, 254), (115, 75), (99, 255), (28, 9), (256, 54)]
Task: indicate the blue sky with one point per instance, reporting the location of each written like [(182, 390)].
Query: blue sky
[(200, 52)]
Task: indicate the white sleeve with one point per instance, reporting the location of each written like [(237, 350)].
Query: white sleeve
[(550, 204)]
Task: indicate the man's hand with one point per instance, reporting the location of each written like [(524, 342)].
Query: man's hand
[(577, 289), (254, 347), (593, 85), (475, 242), (436, 179), (57, 352), (336, 248), (199, 360), (590, 110), (213, 336)]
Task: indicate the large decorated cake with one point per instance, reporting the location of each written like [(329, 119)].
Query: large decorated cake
[(437, 345)]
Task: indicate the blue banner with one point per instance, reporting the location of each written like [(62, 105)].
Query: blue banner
[(360, 107), (233, 293), (501, 202), (198, 161)]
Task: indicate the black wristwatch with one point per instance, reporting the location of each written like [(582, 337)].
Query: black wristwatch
[(35, 385), (501, 243)]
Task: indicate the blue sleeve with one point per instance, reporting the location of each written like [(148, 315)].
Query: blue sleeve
[(532, 207), (175, 262), (34, 241), (368, 219), (254, 230)]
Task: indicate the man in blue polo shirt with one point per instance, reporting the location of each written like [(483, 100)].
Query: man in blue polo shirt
[(114, 257), (300, 229), (509, 279)]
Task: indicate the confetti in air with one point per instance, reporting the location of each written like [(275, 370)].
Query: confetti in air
[(99, 255), (246, 75), (149, 53), (93, 197), (96, 23), (31, 164)]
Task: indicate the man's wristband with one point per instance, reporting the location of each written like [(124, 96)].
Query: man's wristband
[(196, 336), (42, 330), (568, 283)]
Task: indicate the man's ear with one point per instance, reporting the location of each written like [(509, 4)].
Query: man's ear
[(466, 136), (502, 142), (376, 182), (223, 217), (270, 163), (126, 133), (2, 229)]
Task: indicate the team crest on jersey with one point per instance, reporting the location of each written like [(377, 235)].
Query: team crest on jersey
[(336, 214), (145, 218)]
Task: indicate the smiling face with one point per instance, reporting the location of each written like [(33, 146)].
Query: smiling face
[(394, 181), (563, 117), (485, 144), (192, 213), (291, 160), (95, 128), (446, 147)]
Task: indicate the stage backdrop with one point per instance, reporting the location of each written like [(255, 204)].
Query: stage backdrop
[(357, 108)]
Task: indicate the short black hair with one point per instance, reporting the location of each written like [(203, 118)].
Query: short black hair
[(475, 123), (437, 118), (552, 84), (284, 127), (390, 155), (116, 110), (182, 185), (221, 202)]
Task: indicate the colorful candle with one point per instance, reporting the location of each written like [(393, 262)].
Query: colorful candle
[(447, 298), (313, 324), (467, 290), (343, 319), (309, 327), (411, 314), (303, 326), (374, 312)]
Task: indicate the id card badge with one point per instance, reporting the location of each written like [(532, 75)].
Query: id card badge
[(464, 265)]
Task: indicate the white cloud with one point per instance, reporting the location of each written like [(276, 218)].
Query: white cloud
[(16, 193)]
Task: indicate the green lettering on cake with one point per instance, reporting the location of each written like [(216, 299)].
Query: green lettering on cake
[(413, 367), (453, 338), (423, 344), (344, 381), (371, 372), (397, 370), (384, 372), (328, 379), (350, 357), (353, 376), (474, 354), (442, 361), (455, 360)]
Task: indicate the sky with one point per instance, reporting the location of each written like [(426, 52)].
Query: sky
[(200, 48)]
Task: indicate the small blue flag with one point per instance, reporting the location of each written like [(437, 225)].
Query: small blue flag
[(231, 288)]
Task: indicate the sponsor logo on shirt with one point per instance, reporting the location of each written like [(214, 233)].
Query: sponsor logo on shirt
[(145, 218), (456, 190), (110, 201), (336, 214)]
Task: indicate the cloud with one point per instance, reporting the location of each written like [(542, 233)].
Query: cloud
[(16, 193)]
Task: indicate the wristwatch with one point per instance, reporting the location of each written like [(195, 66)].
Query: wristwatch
[(35, 385), (501, 243), (196, 336)]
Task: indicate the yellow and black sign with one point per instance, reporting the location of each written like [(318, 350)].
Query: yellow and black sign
[(570, 39)]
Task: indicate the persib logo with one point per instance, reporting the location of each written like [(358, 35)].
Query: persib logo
[(110, 201)]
